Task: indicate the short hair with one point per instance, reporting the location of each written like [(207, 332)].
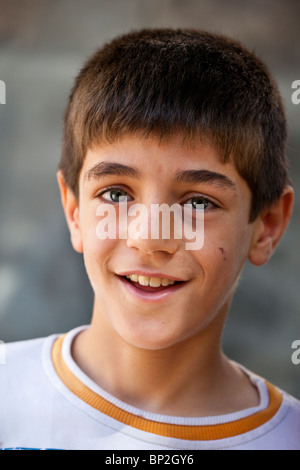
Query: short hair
[(163, 81)]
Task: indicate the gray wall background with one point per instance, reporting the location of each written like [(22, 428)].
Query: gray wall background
[(43, 285)]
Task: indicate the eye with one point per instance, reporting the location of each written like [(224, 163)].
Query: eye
[(116, 195), (204, 201)]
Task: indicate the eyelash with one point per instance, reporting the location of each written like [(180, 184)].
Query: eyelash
[(207, 200), (109, 189)]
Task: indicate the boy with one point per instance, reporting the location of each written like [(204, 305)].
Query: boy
[(161, 117)]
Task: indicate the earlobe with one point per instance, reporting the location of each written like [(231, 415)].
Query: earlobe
[(71, 210), (270, 227)]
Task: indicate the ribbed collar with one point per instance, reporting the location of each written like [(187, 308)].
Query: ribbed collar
[(220, 429)]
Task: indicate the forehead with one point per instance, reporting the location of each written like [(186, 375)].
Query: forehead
[(168, 160)]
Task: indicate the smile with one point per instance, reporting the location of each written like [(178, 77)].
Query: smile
[(150, 281), (151, 289)]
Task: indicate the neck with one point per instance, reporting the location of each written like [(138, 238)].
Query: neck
[(191, 378)]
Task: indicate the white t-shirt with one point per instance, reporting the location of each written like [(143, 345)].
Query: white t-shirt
[(47, 402)]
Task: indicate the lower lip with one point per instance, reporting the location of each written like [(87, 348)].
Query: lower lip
[(151, 296)]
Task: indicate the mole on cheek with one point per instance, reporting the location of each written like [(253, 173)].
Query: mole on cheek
[(223, 253)]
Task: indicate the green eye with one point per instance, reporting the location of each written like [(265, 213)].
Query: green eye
[(115, 195)]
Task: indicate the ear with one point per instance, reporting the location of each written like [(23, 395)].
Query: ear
[(71, 210), (270, 227)]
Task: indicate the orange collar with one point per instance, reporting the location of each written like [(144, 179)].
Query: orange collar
[(178, 431)]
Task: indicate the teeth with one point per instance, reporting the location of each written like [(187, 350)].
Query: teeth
[(150, 281)]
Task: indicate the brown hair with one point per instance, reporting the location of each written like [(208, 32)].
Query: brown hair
[(160, 81)]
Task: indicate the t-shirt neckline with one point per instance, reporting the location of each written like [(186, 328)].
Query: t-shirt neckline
[(187, 428)]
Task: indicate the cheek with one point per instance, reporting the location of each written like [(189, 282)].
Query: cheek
[(228, 239), (96, 242), (96, 252), (221, 258)]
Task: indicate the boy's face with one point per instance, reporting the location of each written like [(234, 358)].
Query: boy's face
[(159, 317)]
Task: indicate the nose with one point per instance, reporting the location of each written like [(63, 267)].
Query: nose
[(153, 229)]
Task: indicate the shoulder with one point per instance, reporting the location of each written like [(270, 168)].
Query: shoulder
[(25, 346), (26, 394), (283, 429), (22, 363), (19, 353), (277, 419), (286, 432), (292, 405)]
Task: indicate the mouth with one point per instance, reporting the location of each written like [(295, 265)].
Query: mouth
[(150, 288), (150, 284)]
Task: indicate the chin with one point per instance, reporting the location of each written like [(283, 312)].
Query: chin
[(153, 337)]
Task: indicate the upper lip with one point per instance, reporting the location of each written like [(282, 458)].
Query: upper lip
[(150, 274)]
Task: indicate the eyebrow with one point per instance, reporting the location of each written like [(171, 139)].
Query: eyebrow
[(205, 176), (186, 176), (111, 168)]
